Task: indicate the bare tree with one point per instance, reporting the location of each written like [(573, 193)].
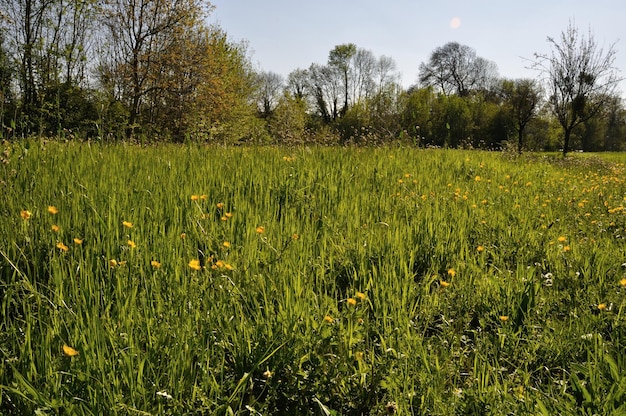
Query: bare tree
[(26, 20), (298, 83), (339, 59), (361, 79), (385, 72), (580, 78), (455, 69), (326, 88), (270, 86)]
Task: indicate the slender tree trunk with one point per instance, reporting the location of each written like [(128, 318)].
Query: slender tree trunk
[(566, 139), (135, 97)]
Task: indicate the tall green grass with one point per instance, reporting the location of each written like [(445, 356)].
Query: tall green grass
[(331, 281)]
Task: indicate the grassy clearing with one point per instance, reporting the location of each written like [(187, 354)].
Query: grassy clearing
[(208, 280)]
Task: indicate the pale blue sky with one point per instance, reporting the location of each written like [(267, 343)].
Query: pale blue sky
[(288, 34)]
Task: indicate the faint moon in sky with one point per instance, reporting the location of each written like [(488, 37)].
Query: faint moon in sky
[(455, 23)]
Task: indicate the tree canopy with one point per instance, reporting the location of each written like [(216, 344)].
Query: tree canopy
[(580, 76), (156, 70)]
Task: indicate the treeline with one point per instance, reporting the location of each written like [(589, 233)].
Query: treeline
[(155, 70)]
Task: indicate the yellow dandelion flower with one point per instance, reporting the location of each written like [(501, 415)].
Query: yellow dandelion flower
[(183, 236), (602, 306), (155, 264), (127, 224), (477, 178), (623, 282), (195, 197), (219, 264), (55, 228), (25, 214), (131, 244), (567, 248), (69, 351), (562, 239), (361, 295), (224, 218), (52, 209), (329, 319), (295, 236), (260, 229), (351, 301), (112, 263), (78, 241), (480, 249), (443, 283), (195, 264), (452, 272), (228, 266), (228, 214), (62, 246), (226, 244), (219, 205), (504, 318)]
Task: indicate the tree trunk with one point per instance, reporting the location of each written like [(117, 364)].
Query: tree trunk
[(566, 138)]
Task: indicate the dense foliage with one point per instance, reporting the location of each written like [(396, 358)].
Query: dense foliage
[(154, 70)]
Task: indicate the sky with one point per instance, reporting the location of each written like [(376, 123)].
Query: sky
[(284, 35)]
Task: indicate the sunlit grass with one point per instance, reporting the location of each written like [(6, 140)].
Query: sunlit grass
[(209, 280)]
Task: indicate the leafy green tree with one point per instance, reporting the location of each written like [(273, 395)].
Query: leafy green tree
[(521, 99), (454, 125), (49, 48), (615, 118), (150, 41), (417, 114), (580, 77), (490, 123), (287, 124)]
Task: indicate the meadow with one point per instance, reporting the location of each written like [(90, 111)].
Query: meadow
[(189, 280)]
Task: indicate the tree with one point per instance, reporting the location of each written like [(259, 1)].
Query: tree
[(325, 88), (270, 88), (521, 98), (580, 78), (287, 124), (455, 69), (146, 37), (49, 47), (615, 136), (6, 91), (339, 59), (298, 83)]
